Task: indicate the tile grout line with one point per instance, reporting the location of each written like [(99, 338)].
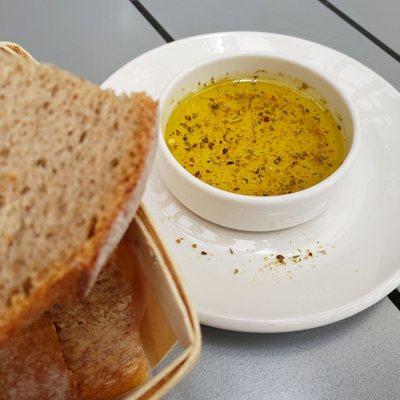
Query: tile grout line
[(362, 30), (152, 21), (394, 296)]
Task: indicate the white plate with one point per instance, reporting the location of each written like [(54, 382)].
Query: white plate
[(360, 234)]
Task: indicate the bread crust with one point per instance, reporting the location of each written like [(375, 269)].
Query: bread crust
[(75, 276), (32, 366), (100, 339)]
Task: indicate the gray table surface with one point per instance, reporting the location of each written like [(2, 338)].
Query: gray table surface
[(358, 358), (308, 19), (91, 38), (380, 18)]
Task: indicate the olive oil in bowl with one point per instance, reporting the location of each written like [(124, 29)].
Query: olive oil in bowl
[(259, 137)]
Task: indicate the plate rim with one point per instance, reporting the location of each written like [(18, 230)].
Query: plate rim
[(105, 83), (297, 323)]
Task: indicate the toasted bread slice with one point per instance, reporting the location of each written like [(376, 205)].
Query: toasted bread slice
[(73, 162), (100, 340), (32, 366)]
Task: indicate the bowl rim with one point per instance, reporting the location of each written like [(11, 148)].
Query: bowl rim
[(251, 199)]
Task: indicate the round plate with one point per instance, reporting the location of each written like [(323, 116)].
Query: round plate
[(334, 266)]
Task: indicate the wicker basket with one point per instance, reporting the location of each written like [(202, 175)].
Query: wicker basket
[(169, 318), (168, 308)]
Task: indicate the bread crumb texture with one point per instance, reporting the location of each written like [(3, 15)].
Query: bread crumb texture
[(100, 339), (71, 157)]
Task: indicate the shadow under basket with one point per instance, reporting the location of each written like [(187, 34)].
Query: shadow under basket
[(167, 317)]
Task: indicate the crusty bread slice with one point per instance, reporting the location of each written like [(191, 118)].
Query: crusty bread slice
[(73, 162), (32, 366), (12, 49), (100, 340)]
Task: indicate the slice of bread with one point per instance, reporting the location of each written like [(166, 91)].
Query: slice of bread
[(73, 162), (32, 366), (100, 340)]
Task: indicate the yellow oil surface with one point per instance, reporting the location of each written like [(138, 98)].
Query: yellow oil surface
[(255, 137)]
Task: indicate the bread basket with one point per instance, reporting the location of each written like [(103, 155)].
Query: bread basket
[(169, 317), (168, 309)]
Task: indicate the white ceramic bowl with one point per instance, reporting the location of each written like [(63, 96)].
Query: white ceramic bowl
[(254, 213)]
